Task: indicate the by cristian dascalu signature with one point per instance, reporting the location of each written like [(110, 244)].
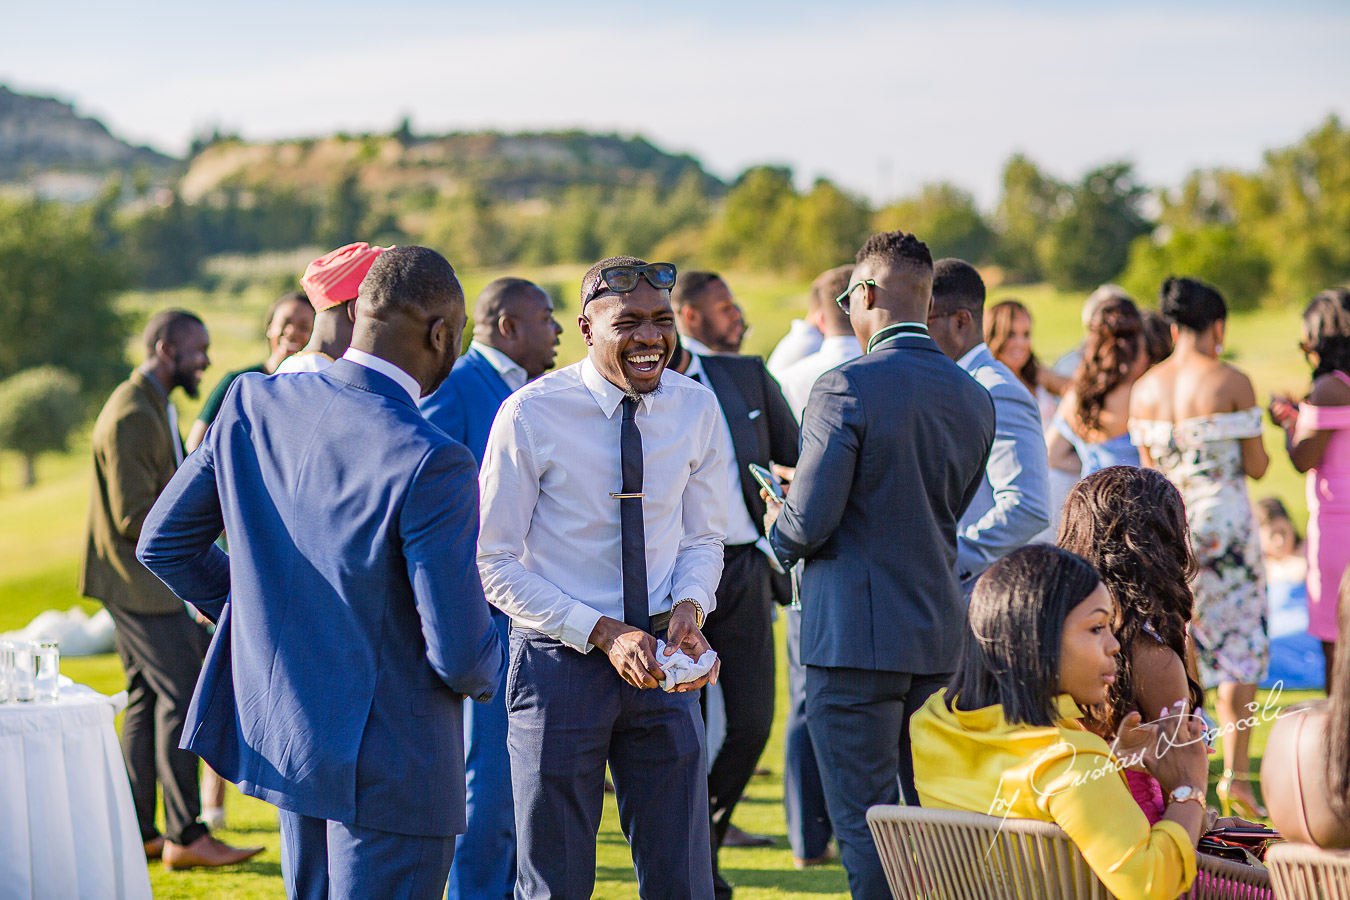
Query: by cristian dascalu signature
[(1257, 714)]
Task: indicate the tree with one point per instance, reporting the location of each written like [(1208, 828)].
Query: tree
[(1031, 202), (1090, 243), (344, 213), (945, 218), (56, 296), (831, 225), (1217, 254), (164, 244), (756, 224), (38, 410), (1297, 207)]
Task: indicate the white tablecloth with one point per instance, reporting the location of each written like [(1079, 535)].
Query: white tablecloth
[(67, 824)]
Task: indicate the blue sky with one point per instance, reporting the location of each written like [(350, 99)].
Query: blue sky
[(881, 97)]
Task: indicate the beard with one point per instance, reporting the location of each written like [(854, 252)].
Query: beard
[(186, 380), (632, 391)]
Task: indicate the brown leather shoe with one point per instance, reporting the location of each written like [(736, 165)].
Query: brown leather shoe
[(205, 851), (830, 855), (154, 848)]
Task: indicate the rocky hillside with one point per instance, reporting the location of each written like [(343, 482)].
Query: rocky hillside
[(41, 135), (503, 166)]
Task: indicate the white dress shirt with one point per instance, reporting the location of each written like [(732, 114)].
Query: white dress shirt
[(740, 529), (549, 544), (798, 378), (385, 367), (695, 346), (512, 374), (303, 362), (801, 341)]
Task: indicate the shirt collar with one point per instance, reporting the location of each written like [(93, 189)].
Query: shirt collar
[(607, 395), (895, 330), (966, 361), (1067, 707), (156, 386), (695, 368), (511, 372), (695, 346), (386, 368)]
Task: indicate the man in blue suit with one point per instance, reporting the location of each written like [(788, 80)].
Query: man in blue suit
[(350, 619), (515, 339), (1012, 505), (894, 445)]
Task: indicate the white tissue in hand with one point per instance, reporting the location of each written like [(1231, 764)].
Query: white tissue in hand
[(680, 668)]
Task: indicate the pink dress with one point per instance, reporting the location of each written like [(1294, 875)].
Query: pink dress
[(1328, 544)]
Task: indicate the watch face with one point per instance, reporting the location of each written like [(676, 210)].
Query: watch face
[(1183, 793)]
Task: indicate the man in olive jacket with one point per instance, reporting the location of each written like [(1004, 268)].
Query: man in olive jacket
[(137, 447)]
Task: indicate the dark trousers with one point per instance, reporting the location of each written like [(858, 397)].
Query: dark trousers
[(569, 714), (859, 722), (162, 656), (740, 629), (323, 860), (485, 854), (808, 821)]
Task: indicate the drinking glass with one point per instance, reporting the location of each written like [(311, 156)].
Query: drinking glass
[(23, 684), (46, 671)]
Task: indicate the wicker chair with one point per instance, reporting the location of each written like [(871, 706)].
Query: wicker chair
[(1304, 872), (937, 854)]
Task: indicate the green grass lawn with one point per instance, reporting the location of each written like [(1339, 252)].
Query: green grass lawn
[(41, 534)]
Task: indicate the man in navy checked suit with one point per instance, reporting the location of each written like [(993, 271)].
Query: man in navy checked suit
[(350, 619), (515, 340)]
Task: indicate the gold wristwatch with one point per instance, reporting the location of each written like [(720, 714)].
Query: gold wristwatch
[(698, 611)]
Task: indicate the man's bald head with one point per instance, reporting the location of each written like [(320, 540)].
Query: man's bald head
[(827, 286), (515, 316), (499, 298)]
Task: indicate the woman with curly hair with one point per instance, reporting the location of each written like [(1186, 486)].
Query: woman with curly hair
[(1318, 440), (1195, 418), (1094, 414), (1130, 523)]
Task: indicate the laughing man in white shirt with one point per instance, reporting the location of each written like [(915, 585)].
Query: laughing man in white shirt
[(603, 516)]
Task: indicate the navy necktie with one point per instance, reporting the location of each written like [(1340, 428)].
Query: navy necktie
[(633, 537)]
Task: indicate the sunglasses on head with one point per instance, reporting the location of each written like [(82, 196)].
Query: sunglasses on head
[(622, 279)]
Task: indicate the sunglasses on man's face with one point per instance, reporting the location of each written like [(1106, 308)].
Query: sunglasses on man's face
[(845, 300), (622, 279)]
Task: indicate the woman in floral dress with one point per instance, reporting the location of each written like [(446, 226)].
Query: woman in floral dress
[(1195, 418)]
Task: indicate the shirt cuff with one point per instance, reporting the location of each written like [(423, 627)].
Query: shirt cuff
[(701, 596), (577, 627), (1185, 849)]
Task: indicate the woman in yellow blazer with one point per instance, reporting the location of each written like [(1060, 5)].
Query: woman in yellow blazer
[(1003, 738)]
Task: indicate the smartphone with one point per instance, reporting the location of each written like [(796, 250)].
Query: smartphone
[(768, 481)]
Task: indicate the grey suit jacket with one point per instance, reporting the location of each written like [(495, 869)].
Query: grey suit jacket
[(1012, 504), (894, 445)]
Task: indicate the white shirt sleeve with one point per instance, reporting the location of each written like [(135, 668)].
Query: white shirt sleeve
[(509, 484), (698, 565)]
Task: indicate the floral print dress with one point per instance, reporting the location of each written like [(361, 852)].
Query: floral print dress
[(1203, 458)]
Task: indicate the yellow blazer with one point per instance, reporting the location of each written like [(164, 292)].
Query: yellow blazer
[(133, 461), (976, 761)]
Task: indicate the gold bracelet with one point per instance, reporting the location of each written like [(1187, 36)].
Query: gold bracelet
[(698, 611)]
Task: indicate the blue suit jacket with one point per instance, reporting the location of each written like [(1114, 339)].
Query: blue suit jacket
[(467, 402), (1012, 505), (894, 445), (351, 621)]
